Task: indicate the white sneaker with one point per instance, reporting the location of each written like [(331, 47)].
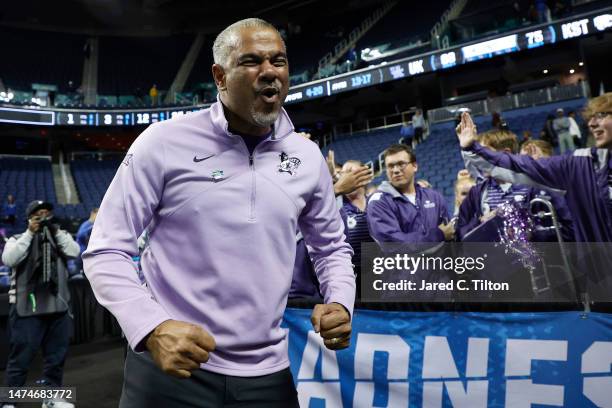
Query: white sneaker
[(7, 406), (57, 404)]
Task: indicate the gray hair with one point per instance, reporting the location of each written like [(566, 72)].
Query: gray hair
[(228, 39)]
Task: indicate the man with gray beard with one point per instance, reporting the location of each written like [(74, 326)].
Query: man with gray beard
[(221, 193)]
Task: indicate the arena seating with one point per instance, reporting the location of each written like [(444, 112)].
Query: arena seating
[(126, 64), (313, 42), (316, 40), (76, 212), (26, 179), (92, 178), (533, 118), (57, 60), (201, 72), (363, 146), (30, 179), (439, 156), (418, 29)]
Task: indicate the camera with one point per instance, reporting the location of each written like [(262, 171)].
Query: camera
[(44, 222)]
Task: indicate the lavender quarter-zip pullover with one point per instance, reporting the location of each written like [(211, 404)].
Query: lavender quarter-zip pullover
[(222, 224)]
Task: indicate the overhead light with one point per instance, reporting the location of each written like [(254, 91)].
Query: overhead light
[(572, 71), (545, 71), (581, 63)]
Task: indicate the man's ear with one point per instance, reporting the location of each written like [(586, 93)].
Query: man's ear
[(219, 76)]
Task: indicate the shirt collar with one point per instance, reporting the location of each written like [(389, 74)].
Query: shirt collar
[(282, 128)]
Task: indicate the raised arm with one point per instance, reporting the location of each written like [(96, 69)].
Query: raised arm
[(551, 172)]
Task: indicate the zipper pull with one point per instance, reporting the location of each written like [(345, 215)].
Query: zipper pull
[(251, 160)]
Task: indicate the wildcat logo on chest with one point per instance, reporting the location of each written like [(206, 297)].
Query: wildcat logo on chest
[(288, 164)]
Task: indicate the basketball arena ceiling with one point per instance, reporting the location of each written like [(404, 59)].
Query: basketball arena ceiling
[(162, 17)]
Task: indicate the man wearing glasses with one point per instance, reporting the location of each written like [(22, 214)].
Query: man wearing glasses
[(401, 210), (585, 175)]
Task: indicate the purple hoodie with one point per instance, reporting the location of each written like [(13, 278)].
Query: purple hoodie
[(393, 218), (222, 226), (471, 211), (583, 174)]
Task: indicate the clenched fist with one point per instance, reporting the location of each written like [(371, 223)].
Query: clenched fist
[(179, 347), (333, 322)]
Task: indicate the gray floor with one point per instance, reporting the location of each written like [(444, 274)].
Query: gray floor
[(95, 369)]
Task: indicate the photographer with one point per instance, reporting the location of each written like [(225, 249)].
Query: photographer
[(38, 296)]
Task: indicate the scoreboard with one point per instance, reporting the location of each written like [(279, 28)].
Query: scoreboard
[(118, 117), (519, 40), (64, 117), (524, 39), (27, 116)]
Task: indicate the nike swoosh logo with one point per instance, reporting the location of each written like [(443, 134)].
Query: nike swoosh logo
[(196, 160)]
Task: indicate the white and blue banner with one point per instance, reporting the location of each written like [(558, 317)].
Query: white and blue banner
[(459, 360)]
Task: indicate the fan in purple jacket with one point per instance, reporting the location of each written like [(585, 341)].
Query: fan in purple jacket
[(354, 217), (405, 217), (585, 175), (483, 199), (539, 149), (402, 211), (222, 193), (475, 210)]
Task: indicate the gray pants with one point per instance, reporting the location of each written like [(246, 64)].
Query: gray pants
[(566, 142), (145, 385)]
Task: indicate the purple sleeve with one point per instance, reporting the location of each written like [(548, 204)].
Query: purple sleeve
[(323, 232), (344, 217), (468, 213), (444, 217), (127, 208), (551, 171), (304, 282), (384, 226)]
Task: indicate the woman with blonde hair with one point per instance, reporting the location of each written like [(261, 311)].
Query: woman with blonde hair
[(463, 184)]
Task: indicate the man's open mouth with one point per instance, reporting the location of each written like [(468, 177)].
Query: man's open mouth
[(269, 94)]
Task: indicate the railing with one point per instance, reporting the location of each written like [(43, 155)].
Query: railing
[(96, 155), (345, 44), (65, 182), (452, 12), (381, 122), (29, 156), (513, 101)]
